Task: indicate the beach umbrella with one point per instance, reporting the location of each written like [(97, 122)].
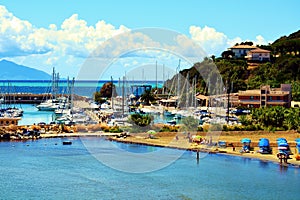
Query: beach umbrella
[(263, 142), (281, 140), (196, 138), (151, 132), (246, 140), (298, 144)]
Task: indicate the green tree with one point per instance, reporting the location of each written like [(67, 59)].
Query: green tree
[(140, 120), (147, 97), (189, 124), (107, 90)]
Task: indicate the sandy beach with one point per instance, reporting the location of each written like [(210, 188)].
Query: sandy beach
[(180, 140)]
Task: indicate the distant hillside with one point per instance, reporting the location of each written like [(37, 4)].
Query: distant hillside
[(287, 44), (12, 71)]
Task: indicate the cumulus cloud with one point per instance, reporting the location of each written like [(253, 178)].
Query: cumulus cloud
[(209, 39), (214, 42), (17, 36), (74, 37), (260, 40), (68, 44)]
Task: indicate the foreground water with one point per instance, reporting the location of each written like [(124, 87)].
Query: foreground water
[(46, 169)]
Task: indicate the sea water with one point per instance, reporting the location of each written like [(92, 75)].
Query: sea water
[(32, 115), (46, 169), (82, 88)]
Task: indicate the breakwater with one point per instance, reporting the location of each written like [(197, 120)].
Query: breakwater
[(24, 98)]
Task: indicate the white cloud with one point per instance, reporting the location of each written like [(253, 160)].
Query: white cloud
[(260, 40), (209, 39), (73, 37), (66, 46), (214, 42)]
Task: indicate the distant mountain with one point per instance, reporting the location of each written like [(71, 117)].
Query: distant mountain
[(12, 71)]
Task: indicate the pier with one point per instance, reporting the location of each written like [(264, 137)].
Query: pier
[(24, 98), (30, 98)]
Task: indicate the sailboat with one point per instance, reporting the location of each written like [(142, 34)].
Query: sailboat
[(9, 115), (53, 103)]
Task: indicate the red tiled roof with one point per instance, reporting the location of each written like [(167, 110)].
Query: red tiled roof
[(243, 47), (258, 50)]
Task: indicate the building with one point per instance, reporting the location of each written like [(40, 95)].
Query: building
[(6, 121), (258, 55), (266, 96), (240, 51)]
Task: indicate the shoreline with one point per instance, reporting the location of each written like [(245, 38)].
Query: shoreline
[(179, 141), (179, 144)]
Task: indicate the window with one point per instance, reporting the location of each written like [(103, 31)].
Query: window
[(263, 98), (278, 98), (251, 97), (263, 91), (263, 103)]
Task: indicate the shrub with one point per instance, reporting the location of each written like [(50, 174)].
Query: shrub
[(115, 129), (225, 127), (215, 127), (169, 128), (199, 128)]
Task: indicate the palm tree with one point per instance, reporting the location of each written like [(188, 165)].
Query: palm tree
[(147, 97)]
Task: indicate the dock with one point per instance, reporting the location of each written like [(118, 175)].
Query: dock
[(30, 98), (24, 98)]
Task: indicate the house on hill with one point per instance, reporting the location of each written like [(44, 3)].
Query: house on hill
[(251, 53), (258, 55), (240, 51)]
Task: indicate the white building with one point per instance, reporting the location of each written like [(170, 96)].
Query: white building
[(240, 51), (258, 55)]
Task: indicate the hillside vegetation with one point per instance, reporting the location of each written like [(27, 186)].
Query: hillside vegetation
[(284, 67)]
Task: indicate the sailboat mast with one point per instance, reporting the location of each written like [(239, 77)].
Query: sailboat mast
[(53, 83), (123, 95), (163, 79), (178, 79), (72, 92), (187, 89), (156, 75), (112, 90)]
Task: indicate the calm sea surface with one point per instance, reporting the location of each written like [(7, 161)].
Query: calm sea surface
[(83, 88), (46, 169)]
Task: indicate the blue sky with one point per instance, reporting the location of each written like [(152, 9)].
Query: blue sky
[(214, 24)]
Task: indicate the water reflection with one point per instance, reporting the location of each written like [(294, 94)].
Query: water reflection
[(263, 163), (283, 168)]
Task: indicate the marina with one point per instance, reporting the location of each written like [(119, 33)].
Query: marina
[(155, 100)]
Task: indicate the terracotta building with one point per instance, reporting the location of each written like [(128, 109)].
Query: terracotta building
[(266, 96)]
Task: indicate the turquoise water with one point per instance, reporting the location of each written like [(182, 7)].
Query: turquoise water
[(46, 169), (33, 115)]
